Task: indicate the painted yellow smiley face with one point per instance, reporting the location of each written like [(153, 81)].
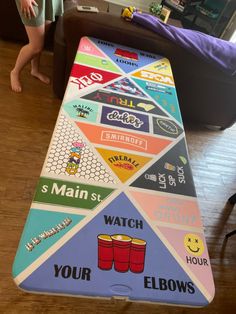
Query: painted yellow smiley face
[(193, 244)]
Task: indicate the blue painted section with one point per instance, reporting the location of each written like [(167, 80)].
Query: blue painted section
[(127, 59), (162, 279)]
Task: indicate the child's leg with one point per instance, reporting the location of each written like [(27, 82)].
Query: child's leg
[(35, 62), (29, 51)]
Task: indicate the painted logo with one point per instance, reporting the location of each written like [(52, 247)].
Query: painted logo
[(84, 76), (74, 158), (124, 162), (156, 77), (87, 80), (124, 165), (125, 252), (125, 138), (83, 111), (119, 100), (47, 234), (125, 119), (193, 244), (126, 54), (166, 127)]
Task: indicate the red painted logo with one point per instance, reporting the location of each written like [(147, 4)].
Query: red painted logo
[(126, 54)]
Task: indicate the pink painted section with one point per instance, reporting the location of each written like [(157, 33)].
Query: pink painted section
[(88, 47), (169, 209), (202, 272)]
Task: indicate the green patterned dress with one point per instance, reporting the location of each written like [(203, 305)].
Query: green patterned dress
[(46, 10)]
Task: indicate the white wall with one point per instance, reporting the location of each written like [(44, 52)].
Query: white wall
[(144, 5)]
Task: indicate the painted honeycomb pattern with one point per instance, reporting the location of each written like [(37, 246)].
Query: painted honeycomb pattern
[(89, 168)]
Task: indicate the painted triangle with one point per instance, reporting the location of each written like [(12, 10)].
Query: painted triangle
[(43, 228), (70, 154), (128, 59), (123, 164), (124, 101), (123, 139), (192, 248), (171, 173), (164, 95), (109, 261), (169, 209), (88, 47)]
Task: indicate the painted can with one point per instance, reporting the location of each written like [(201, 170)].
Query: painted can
[(137, 255), (105, 252), (121, 251)]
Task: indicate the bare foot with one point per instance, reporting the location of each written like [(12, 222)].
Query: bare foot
[(43, 78), (15, 82)]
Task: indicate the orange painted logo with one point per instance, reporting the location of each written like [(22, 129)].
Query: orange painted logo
[(123, 164), (154, 76)]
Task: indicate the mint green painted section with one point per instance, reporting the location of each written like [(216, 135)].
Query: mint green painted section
[(82, 110), (52, 191), (37, 222), (96, 62)]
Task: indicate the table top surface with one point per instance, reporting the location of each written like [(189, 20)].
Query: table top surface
[(115, 212)]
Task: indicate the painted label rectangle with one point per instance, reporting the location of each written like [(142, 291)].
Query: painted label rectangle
[(52, 191)]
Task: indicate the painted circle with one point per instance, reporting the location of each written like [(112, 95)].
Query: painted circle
[(193, 244)]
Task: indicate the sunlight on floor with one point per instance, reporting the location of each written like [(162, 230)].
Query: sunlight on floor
[(233, 38)]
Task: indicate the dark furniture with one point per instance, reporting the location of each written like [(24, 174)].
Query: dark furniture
[(11, 27), (206, 94), (211, 13), (232, 201), (208, 16), (180, 6)]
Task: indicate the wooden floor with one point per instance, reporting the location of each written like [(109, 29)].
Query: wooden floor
[(26, 124)]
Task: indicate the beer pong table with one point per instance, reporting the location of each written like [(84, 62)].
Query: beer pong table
[(115, 213)]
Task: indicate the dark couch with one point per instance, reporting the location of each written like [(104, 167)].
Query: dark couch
[(206, 94)]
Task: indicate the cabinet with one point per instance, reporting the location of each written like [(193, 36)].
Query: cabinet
[(180, 7), (208, 16)]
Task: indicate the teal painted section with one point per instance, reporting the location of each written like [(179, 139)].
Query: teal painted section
[(164, 95), (81, 110), (38, 222)]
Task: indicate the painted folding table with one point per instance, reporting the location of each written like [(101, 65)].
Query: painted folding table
[(115, 212)]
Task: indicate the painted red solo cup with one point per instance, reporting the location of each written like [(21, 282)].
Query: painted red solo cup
[(137, 255), (121, 251), (105, 252)]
